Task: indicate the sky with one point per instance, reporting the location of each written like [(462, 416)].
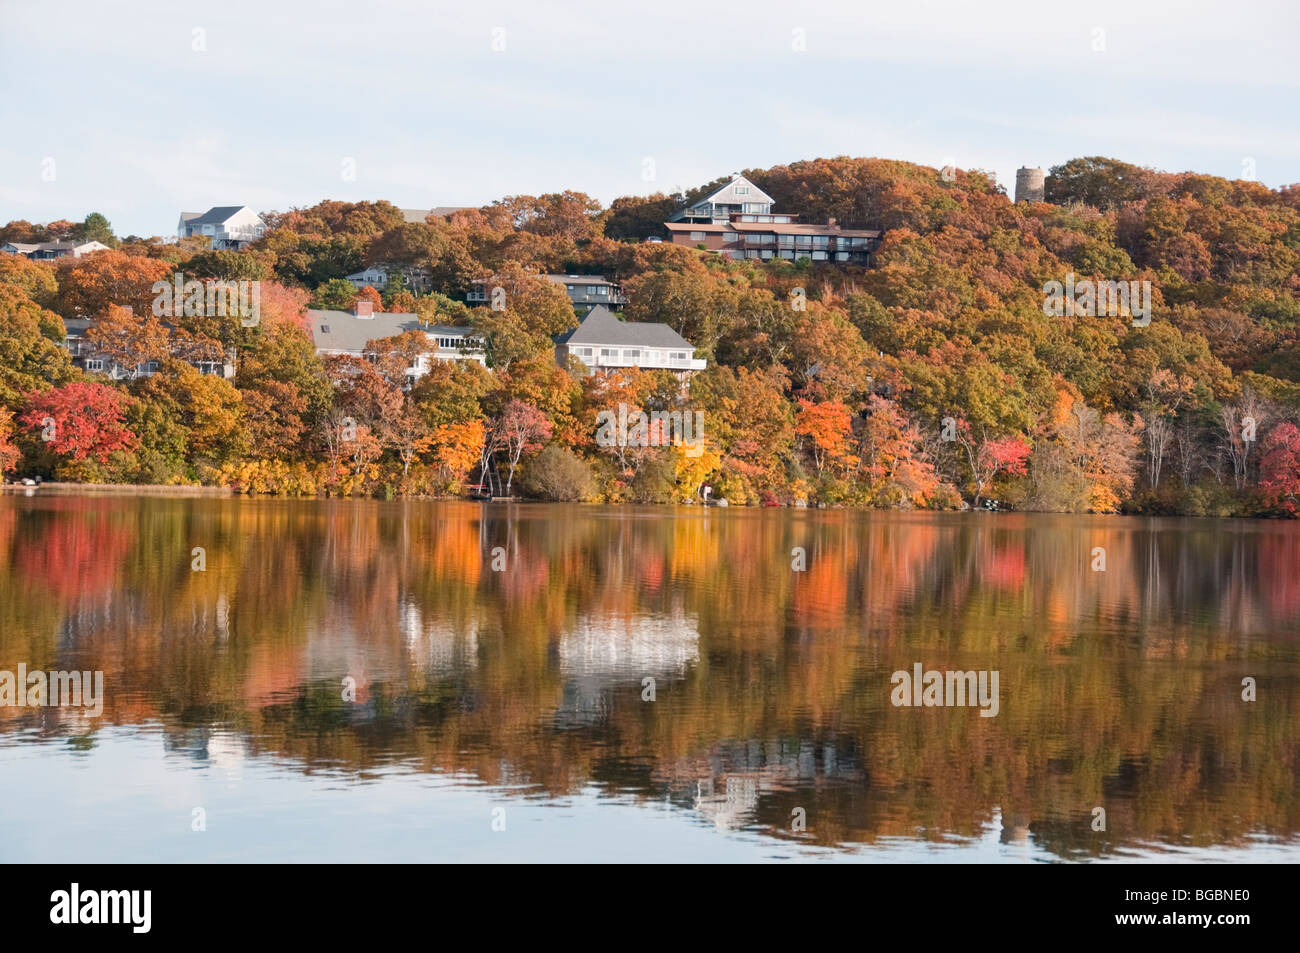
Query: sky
[(145, 109)]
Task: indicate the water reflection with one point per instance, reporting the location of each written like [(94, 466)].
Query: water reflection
[(674, 659)]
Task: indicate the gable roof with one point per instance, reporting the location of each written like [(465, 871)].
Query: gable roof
[(727, 194), (600, 326), (344, 331), (215, 215)]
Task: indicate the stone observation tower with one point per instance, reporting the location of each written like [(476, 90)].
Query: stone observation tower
[(1029, 185)]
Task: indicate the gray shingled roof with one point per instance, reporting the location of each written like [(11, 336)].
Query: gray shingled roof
[(347, 332), (215, 215), (600, 326)]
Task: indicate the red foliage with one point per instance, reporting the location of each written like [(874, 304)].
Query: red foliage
[(81, 420), (1279, 471)]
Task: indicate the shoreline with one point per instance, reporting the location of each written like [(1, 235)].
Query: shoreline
[(147, 490)]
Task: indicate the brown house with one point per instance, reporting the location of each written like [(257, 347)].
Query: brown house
[(715, 224)]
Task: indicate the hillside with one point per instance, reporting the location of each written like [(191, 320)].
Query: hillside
[(934, 378)]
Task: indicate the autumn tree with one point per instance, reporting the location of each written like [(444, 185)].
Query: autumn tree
[(80, 420), (30, 354), (128, 340), (990, 456), (9, 452), (1279, 471), (89, 286), (520, 429), (824, 429)]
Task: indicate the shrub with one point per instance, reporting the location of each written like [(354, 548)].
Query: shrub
[(557, 474)]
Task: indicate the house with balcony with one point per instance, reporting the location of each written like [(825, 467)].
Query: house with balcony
[(226, 226), (584, 291), (87, 357), (738, 221), (747, 236), (739, 197), (349, 333), (587, 291), (603, 341)]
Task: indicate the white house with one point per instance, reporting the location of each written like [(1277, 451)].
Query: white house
[(376, 276), (739, 196), (348, 333), (227, 226), (43, 251), (603, 342)]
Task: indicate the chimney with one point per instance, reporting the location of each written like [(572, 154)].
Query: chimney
[(365, 309)]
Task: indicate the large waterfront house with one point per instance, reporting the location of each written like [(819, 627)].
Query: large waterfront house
[(45, 251), (604, 342), (349, 333), (737, 221), (226, 226)]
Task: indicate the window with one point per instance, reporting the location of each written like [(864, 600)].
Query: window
[(609, 352), (94, 365), (697, 236), (601, 290), (632, 354), (742, 190), (208, 230)]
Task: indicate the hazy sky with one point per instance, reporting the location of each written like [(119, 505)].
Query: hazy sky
[(150, 108)]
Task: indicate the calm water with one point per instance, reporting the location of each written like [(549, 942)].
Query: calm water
[(516, 696)]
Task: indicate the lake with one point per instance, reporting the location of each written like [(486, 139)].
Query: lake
[(435, 681)]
